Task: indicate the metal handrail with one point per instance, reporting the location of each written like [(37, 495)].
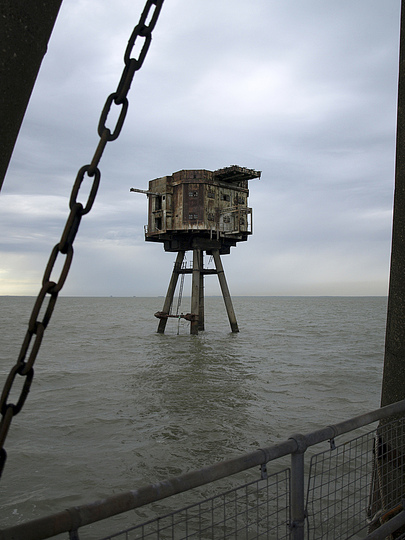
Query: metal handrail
[(74, 518), (388, 528)]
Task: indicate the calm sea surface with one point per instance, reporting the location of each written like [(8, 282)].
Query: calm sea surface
[(114, 405)]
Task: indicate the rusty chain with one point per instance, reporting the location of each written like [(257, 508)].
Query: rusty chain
[(48, 294)]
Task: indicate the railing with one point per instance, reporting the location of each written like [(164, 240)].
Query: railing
[(347, 490), (234, 226)]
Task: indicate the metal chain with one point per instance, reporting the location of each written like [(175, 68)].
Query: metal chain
[(48, 294)]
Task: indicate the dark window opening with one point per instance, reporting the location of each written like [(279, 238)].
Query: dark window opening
[(158, 202)]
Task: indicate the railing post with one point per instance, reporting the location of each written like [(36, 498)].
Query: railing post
[(297, 489)]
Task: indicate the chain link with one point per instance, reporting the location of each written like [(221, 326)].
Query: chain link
[(48, 294)]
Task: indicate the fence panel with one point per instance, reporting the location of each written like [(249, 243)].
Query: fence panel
[(357, 485), (339, 486), (256, 510)]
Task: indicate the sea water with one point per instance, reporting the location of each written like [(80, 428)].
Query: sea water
[(114, 405)]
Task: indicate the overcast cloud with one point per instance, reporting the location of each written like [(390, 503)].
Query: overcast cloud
[(303, 90)]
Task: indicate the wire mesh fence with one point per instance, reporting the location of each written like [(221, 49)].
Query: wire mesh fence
[(338, 489), (258, 509), (355, 489), (358, 485), (387, 494), (344, 497)]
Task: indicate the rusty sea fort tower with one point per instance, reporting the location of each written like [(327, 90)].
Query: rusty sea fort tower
[(199, 210)]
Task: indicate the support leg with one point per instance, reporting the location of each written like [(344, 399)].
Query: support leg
[(195, 290), (201, 305), (225, 291), (170, 290)]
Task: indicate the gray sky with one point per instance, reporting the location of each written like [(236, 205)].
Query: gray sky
[(303, 90)]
